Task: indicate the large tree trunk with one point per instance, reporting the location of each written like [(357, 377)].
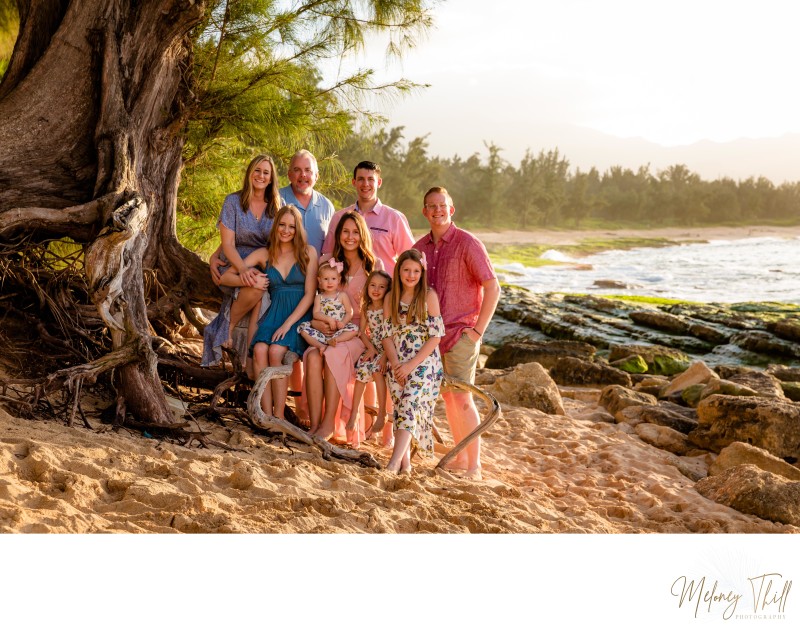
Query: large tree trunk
[(91, 121)]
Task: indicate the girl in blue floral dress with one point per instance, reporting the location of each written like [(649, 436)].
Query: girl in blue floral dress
[(412, 329)]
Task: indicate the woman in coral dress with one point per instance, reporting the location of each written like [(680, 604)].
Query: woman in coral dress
[(330, 376)]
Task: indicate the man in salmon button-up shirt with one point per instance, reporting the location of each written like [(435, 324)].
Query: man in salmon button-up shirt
[(462, 275)]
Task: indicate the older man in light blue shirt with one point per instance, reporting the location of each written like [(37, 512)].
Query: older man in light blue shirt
[(315, 208)]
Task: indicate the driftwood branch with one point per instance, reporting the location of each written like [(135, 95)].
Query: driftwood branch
[(491, 417), (267, 422)]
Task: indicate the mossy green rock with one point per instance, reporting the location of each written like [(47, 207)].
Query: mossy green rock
[(668, 365), (791, 390), (631, 364), (660, 360), (693, 394)]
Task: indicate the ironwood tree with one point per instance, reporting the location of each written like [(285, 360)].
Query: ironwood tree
[(95, 105)]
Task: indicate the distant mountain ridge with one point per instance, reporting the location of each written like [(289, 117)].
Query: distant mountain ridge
[(777, 159)]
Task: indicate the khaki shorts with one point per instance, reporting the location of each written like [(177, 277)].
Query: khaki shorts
[(462, 360)]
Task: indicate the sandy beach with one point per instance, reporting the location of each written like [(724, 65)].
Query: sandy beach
[(542, 474)]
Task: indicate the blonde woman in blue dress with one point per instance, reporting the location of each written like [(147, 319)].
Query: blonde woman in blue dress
[(413, 327), (291, 266)]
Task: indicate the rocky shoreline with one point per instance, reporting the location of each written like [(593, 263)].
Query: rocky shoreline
[(715, 386)]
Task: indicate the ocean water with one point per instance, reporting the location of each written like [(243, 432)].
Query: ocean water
[(743, 270)]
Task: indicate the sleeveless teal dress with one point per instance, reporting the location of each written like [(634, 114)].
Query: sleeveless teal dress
[(285, 295)]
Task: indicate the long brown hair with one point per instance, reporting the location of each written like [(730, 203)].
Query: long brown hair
[(364, 244), (271, 195), (418, 308), (299, 243)]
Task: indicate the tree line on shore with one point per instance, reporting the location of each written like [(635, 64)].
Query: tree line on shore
[(543, 191)]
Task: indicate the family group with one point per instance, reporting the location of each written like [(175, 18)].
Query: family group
[(368, 310)]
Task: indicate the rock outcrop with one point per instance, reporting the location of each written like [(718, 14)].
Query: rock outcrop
[(665, 438), (753, 334), (738, 453), (545, 353), (574, 371), (528, 385), (614, 398), (751, 490), (767, 423), (697, 373), (660, 360)]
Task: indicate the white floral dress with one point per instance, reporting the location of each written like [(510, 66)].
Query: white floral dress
[(366, 368), (414, 402), (333, 307)]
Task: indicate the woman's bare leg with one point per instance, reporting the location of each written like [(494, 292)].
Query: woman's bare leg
[(249, 299), (358, 393), (314, 386), (281, 384), (260, 359), (328, 425)]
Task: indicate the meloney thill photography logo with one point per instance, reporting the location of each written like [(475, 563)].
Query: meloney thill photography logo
[(765, 597)]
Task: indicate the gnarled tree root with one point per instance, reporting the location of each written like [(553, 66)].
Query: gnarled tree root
[(30, 393), (491, 417), (267, 422)]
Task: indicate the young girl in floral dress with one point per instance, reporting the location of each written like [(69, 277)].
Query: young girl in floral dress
[(412, 329), (372, 363), (331, 306)]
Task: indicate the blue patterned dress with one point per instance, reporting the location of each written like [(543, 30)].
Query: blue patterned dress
[(286, 294), (414, 402), (251, 234)]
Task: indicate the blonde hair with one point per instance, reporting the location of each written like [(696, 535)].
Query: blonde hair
[(365, 299), (271, 195), (326, 265), (418, 308), (299, 241)]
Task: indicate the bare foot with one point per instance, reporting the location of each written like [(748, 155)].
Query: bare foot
[(457, 464), (376, 426), (406, 469), (473, 474), (324, 432)]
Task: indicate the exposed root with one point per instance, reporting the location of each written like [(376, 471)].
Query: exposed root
[(30, 395), (491, 417), (267, 422)]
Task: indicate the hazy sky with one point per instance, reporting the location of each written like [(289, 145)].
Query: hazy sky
[(539, 74)]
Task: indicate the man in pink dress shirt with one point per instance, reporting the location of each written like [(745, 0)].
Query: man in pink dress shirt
[(389, 228), (462, 275)]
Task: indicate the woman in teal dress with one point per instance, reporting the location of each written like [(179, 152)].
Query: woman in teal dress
[(291, 266)]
